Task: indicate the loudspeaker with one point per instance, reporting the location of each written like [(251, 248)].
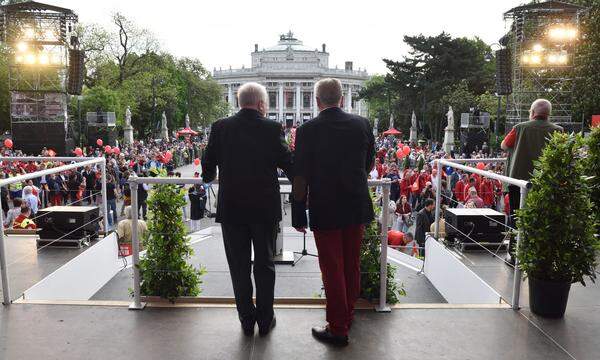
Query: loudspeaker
[(76, 71), (68, 223), (503, 72), (32, 137), (472, 139), (107, 134), (482, 225)]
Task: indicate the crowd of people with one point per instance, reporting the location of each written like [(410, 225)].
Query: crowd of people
[(83, 186), (412, 170)]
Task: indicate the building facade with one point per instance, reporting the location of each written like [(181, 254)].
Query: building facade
[(289, 71)]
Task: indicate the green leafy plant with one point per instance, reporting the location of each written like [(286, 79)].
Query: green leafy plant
[(558, 243), (592, 169), (165, 271), (370, 254)]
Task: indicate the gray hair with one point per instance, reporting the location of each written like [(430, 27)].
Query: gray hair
[(329, 91), (128, 212), (542, 108), (250, 94)]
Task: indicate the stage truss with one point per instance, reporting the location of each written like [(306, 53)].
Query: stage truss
[(529, 27)]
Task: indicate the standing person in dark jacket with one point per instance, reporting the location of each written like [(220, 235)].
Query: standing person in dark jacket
[(247, 148), (197, 196), (334, 153), (423, 224)]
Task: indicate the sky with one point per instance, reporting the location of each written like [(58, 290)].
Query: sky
[(223, 33)]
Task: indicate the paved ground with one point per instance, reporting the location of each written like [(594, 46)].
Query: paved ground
[(71, 332)]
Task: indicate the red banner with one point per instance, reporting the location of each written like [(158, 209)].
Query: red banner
[(595, 120)]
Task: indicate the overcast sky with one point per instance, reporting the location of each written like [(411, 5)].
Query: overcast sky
[(223, 33)]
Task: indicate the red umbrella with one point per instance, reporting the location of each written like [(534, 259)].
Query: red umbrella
[(187, 131), (392, 131)]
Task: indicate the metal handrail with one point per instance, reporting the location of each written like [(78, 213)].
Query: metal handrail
[(522, 184), (135, 181)]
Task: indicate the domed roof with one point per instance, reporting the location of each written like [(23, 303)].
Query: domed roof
[(287, 42)]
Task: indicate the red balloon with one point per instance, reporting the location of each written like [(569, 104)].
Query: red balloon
[(78, 151), (8, 143), (99, 142), (395, 238), (399, 154), (196, 161), (116, 150), (107, 149), (406, 150), (480, 166), (168, 156)]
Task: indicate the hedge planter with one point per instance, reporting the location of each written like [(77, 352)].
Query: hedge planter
[(548, 298)]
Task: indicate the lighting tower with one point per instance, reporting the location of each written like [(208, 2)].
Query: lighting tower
[(542, 39), (38, 38)]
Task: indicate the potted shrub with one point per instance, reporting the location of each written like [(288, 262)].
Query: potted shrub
[(558, 247), (593, 171)]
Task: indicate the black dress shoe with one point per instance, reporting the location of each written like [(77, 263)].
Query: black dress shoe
[(322, 333), (248, 327), (264, 329)]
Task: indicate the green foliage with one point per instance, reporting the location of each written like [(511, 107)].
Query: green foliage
[(558, 243), (165, 271), (370, 255), (4, 94), (592, 168)]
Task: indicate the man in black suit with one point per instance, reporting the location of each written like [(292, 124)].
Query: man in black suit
[(425, 218), (248, 149), (334, 153)]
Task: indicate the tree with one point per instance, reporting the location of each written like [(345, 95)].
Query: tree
[(4, 93), (93, 40), (434, 66)]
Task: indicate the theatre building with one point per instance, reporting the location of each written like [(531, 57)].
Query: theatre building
[(289, 71)]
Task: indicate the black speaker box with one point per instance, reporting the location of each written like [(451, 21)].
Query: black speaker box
[(32, 137), (106, 133), (482, 225), (76, 71), (503, 72), (70, 222), (472, 139)]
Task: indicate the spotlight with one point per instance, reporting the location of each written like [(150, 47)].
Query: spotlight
[(536, 59), (19, 59), (562, 33), (29, 33), (553, 59), (30, 59), (43, 59), (538, 47), (563, 59), (525, 59), (22, 46)]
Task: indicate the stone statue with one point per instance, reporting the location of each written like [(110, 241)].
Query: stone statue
[(413, 129), (413, 120), (128, 117), (187, 120), (450, 116), (163, 124)]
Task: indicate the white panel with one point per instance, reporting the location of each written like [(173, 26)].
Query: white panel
[(455, 281), (82, 277), (405, 260)]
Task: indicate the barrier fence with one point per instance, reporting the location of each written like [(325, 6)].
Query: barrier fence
[(135, 182), (74, 163), (524, 188)]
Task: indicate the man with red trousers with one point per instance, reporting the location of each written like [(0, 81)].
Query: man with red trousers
[(334, 153)]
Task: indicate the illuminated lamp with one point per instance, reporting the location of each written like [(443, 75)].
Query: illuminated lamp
[(19, 59), (43, 59), (536, 59), (538, 47), (30, 59), (525, 59), (22, 46)]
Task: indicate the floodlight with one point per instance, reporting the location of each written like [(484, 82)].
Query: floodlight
[(43, 59), (562, 33), (29, 33), (563, 59), (525, 59), (22, 46), (19, 59), (538, 47), (30, 59), (536, 59), (553, 59)]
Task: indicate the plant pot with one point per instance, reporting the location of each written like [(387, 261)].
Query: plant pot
[(548, 298)]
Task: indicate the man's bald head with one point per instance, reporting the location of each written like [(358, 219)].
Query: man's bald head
[(328, 93), (540, 109)]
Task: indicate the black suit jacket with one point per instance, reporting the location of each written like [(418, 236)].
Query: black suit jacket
[(334, 153), (423, 225), (247, 149)]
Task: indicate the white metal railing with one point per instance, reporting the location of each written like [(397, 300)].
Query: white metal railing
[(77, 162), (522, 184), (135, 181)]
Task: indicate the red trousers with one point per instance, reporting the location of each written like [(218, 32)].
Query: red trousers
[(339, 259)]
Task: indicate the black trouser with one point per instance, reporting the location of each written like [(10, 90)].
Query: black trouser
[(237, 240), (514, 200)]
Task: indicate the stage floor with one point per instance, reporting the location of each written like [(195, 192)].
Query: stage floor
[(302, 280), (26, 265)]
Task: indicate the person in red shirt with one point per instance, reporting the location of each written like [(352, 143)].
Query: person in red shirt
[(22, 221), (406, 183), (486, 191), (404, 212), (459, 188)]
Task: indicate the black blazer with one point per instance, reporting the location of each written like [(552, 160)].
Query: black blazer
[(247, 149), (334, 153)]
